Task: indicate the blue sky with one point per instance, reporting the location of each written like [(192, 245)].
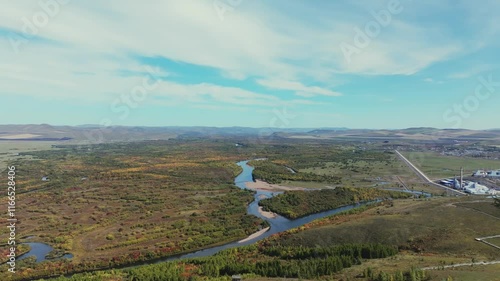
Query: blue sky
[(357, 64)]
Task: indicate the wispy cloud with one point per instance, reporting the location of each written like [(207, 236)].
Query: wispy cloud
[(92, 51), (432, 80), (299, 88), (206, 93), (470, 72)]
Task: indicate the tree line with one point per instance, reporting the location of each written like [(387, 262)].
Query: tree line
[(296, 204)]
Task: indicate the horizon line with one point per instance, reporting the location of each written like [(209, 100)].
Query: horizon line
[(246, 127)]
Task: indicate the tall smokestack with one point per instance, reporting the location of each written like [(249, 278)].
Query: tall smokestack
[(461, 177)]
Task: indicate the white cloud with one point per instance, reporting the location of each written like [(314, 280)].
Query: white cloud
[(91, 42), (470, 72), (433, 81), (236, 75), (206, 94), (401, 48), (297, 87)]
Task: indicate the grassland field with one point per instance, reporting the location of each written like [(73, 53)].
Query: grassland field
[(494, 241), (112, 204), (429, 232), (9, 150), (437, 166), (355, 168)]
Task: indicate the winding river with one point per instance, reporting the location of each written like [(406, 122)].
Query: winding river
[(278, 224)]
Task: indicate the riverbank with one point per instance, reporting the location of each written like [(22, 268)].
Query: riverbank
[(255, 235), (266, 214), (262, 185)]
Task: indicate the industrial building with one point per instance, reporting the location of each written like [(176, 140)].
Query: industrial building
[(469, 187), (472, 187), (483, 173), (495, 174)]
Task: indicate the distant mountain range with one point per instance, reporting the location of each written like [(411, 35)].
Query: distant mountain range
[(96, 133)]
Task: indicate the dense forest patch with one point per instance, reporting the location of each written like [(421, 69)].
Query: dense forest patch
[(296, 204)]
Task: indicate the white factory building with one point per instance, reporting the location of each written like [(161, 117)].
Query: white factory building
[(472, 187), (493, 173), (483, 173), (469, 187), (475, 188)]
